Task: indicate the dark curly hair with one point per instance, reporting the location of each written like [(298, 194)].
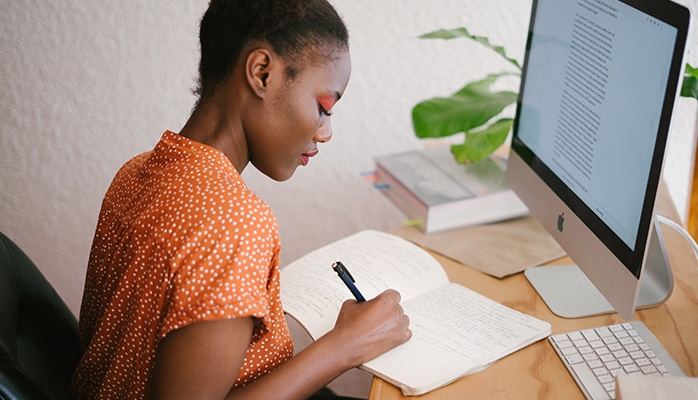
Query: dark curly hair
[(291, 27)]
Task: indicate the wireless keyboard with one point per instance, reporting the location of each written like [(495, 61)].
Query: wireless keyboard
[(595, 357)]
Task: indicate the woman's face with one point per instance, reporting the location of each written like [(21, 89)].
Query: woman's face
[(297, 117)]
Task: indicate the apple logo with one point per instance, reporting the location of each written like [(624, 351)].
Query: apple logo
[(560, 221)]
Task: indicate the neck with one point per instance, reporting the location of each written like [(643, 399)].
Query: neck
[(214, 126)]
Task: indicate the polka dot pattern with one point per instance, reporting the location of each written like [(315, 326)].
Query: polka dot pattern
[(180, 239)]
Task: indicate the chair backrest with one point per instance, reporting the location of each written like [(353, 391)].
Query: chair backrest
[(39, 345)]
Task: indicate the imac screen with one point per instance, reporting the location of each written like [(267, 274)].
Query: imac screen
[(598, 87)]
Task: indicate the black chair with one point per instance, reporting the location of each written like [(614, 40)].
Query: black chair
[(39, 345)]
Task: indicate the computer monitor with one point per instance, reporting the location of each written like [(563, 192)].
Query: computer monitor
[(598, 87)]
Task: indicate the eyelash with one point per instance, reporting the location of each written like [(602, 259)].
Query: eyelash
[(325, 112)]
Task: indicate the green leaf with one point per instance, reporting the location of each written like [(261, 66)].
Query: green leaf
[(448, 34), (691, 71), (469, 108), (480, 144), (689, 87)]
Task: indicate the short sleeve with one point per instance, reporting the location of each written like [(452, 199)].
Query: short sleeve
[(223, 267)]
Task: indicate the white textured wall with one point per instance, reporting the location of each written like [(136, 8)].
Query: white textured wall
[(86, 85)]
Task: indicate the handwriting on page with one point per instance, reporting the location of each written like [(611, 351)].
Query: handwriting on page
[(478, 326)]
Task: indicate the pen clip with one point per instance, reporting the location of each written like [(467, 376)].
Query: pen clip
[(340, 269)]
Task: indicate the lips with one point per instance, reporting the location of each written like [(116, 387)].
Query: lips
[(305, 157)]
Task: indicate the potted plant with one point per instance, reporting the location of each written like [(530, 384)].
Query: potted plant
[(474, 109)]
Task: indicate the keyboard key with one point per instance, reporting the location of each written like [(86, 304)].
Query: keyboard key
[(604, 332), (569, 351), (602, 351), (621, 334), (574, 359), (626, 361), (615, 347), (599, 371), (560, 338), (632, 347), (649, 369), (590, 335), (620, 354), (608, 358), (630, 368), (590, 357), (610, 340), (643, 362), (596, 344), (613, 365)]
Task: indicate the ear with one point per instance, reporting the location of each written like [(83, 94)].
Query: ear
[(259, 70)]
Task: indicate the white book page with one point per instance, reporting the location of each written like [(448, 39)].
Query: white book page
[(312, 292), (641, 387), (456, 331)]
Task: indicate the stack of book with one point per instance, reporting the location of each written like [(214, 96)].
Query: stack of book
[(439, 194)]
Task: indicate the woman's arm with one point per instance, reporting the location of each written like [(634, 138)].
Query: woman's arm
[(201, 360), (204, 362)]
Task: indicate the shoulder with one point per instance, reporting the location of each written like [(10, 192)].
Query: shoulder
[(204, 193)]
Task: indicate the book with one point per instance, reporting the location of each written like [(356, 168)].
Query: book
[(455, 331), (439, 194), (641, 387)]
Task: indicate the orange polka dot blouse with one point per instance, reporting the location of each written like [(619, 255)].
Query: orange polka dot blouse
[(180, 239)]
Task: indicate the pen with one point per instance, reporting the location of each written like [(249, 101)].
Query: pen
[(348, 280)]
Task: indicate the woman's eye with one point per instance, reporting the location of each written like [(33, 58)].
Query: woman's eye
[(324, 112)]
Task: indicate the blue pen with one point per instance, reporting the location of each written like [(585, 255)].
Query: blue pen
[(344, 274)]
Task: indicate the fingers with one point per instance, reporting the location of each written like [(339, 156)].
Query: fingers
[(402, 321), (408, 332), (391, 294)]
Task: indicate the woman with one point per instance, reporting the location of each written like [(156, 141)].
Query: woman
[(181, 296)]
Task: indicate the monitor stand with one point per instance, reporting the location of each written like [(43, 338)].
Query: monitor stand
[(570, 294)]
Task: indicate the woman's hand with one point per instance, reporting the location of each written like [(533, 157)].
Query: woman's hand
[(368, 329)]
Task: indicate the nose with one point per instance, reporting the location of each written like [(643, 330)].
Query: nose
[(324, 133)]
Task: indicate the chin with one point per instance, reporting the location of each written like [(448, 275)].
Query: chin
[(279, 174)]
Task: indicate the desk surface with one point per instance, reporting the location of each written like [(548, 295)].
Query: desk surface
[(536, 372)]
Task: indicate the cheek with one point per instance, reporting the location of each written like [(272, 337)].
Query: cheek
[(303, 121)]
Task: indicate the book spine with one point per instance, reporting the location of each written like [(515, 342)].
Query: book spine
[(402, 197)]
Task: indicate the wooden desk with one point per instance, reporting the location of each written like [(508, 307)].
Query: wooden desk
[(536, 372)]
